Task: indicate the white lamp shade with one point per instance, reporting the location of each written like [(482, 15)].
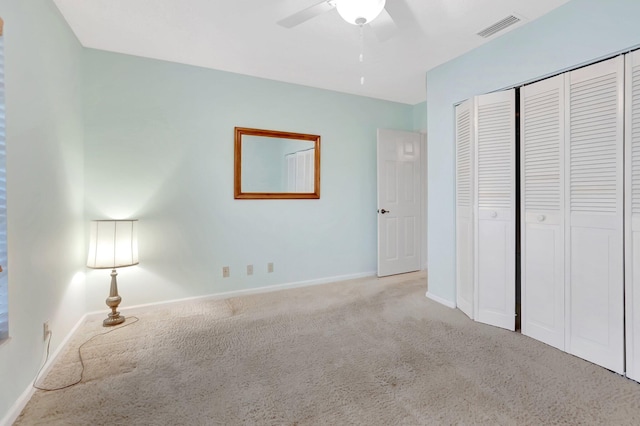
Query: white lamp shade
[(113, 244), (353, 11)]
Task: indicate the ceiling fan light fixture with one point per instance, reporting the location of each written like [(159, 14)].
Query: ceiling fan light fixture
[(359, 12)]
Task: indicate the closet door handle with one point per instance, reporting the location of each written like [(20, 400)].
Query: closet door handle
[(494, 214), (541, 218)]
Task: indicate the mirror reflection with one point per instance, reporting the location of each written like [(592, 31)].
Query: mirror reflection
[(277, 165), (274, 164)]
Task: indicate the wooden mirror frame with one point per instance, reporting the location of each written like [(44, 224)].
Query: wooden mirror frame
[(237, 181)]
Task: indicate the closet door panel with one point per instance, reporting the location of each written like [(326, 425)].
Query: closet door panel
[(291, 172), (301, 171), (464, 207), (594, 208), (309, 167), (542, 204), (495, 215), (632, 213), (494, 275)]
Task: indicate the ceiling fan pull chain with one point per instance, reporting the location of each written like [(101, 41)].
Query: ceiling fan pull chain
[(362, 54)]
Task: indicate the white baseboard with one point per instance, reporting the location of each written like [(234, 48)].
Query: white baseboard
[(243, 292), (18, 406), (23, 399), (440, 300)]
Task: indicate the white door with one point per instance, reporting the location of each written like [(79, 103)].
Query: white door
[(310, 170), (632, 213), (291, 172), (542, 207), (464, 207), (495, 251), (398, 202), (594, 213), (301, 171)]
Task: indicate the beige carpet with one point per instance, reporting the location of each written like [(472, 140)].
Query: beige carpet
[(364, 352)]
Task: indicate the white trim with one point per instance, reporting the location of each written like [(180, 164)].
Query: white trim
[(424, 211), (17, 407), (445, 302), (243, 292)]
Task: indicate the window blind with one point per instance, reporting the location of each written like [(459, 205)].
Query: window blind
[(4, 296)]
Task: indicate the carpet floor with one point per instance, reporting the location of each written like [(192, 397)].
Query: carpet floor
[(362, 352)]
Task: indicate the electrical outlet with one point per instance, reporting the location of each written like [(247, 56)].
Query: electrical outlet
[(225, 272), (270, 267), (45, 330), (249, 269)]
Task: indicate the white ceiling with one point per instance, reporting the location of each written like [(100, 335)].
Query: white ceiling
[(242, 36)]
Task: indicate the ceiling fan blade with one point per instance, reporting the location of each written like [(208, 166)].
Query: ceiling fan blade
[(306, 14), (383, 26)]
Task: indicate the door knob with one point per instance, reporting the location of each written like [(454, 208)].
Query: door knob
[(541, 218), (494, 214), (383, 211)]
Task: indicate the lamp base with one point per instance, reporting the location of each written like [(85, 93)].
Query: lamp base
[(113, 320), (113, 301)]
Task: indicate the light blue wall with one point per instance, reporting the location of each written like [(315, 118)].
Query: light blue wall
[(576, 33), (44, 187), (420, 117), (159, 147)]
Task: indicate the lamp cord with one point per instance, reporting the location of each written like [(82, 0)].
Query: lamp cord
[(79, 357)]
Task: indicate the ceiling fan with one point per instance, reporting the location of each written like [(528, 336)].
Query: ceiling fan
[(356, 12)]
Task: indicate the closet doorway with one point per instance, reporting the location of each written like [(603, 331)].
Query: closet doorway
[(570, 196)]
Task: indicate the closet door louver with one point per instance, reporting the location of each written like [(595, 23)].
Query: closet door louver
[(632, 213), (464, 206), (594, 213), (4, 308), (495, 216), (542, 207)]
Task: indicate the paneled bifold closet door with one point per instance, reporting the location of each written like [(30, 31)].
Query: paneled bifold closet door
[(495, 209), (464, 206), (632, 213), (594, 213), (542, 207)]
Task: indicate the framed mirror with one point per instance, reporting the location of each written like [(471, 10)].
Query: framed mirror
[(270, 164)]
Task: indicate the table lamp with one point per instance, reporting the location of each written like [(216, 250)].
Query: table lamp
[(113, 244)]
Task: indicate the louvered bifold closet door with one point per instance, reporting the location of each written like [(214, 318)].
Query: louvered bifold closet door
[(594, 213), (310, 170), (632, 213), (464, 207), (495, 216), (542, 207), (301, 171), (291, 172)]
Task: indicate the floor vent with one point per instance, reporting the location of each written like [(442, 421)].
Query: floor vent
[(499, 26)]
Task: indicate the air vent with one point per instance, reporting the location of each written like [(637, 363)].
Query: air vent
[(499, 26)]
